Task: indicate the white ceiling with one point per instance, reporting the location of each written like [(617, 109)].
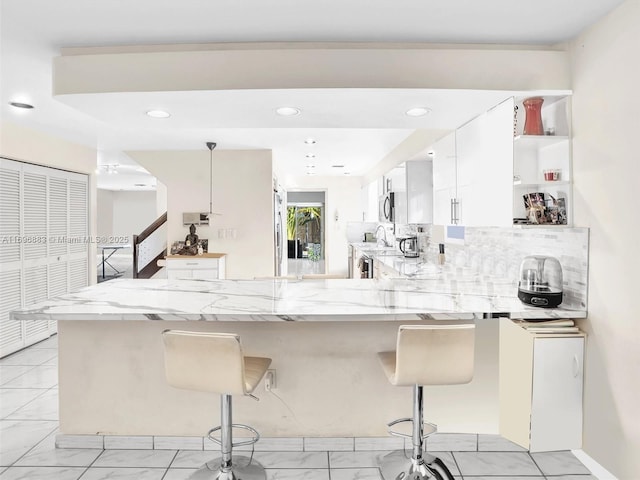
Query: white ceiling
[(358, 127)]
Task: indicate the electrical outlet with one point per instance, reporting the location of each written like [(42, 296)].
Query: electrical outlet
[(270, 380)]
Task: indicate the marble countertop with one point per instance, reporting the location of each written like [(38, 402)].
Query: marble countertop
[(291, 300)]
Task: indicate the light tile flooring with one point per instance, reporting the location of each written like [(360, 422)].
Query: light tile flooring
[(29, 421)]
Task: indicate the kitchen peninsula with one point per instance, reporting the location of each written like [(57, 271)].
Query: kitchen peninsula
[(323, 336)]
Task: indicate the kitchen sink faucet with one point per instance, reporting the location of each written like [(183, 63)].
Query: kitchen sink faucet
[(384, 240)]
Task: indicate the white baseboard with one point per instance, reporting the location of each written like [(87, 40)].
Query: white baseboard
[(596, 469)]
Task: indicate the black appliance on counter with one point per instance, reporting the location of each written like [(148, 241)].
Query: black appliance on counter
[(540, 282), (365, 266), (409, 247)]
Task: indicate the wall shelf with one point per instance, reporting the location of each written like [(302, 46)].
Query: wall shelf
[(533, 155)]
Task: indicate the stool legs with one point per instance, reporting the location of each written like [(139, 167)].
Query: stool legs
[(418, 426), (421, 466), (226, 436), (227, 467)]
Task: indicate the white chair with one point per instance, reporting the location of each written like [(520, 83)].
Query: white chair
[(425, 355), (213, 362)]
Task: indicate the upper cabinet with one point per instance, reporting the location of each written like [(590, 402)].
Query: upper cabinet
[(542, 175), (412, 185), (473, 171), (370, 194), (444, 180), (419, 191), (487, 172)]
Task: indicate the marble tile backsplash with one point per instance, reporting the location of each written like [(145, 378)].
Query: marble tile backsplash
[(498, 252)]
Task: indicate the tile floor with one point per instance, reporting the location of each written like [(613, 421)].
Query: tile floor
[(29, 421)]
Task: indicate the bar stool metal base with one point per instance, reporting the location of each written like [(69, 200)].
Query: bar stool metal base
[(397, 466), (243, 468)]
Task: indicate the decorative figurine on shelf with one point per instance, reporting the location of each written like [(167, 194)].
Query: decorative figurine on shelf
[(190, 242)]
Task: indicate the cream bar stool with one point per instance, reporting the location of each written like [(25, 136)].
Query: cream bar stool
[(213, 362), (440, 354)]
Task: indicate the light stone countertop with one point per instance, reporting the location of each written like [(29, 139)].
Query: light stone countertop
[(291, 300)]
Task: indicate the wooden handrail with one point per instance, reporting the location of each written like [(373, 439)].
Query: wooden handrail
[(152, 267), (152, 227)]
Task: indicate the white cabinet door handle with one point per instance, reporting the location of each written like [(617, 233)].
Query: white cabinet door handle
[(576, 366)]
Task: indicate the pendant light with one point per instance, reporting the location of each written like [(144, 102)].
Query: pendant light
[(211, 146)]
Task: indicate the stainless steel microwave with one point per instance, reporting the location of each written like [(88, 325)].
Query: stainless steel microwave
[(386, 208)]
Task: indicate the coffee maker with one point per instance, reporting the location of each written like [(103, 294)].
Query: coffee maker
[(409, 247), (540, 282)]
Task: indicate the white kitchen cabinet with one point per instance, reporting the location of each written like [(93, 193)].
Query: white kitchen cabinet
[(412, 185), (419, 191), (535, 154), (473, 171), (208, 266), (382, 271), (370, 195), (444, 179), (541, 384)]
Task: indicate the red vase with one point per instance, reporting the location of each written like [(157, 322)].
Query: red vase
[(533, 116)]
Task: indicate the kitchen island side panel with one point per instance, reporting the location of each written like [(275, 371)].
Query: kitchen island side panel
[(329, 381)]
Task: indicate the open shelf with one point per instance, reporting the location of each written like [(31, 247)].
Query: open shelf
[(539, 141), (533, 155), (549, 184)]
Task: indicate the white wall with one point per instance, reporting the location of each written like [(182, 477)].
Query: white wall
[(161, 198), (20, 143), (104, 213), (606, 103), (242, 194), (133, 212), (122, 214), (342, 196)]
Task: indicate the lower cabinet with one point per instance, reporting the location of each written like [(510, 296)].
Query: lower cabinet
[(541, 384), (210, 266), (382, 271)]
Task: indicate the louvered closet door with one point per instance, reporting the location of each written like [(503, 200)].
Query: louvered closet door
[(78, 231), (44, 247), (35, 251), (58, 201), (11, 332)]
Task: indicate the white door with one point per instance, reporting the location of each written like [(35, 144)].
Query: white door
[(11, 333), (43, 244), (556, 407)]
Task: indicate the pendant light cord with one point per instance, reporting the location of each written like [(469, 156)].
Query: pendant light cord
[(211, 146), (210, 181)]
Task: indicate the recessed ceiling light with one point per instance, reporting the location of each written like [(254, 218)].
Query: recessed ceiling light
[(347, 173), (337, 166), (310, 173), (26, 106), (418, 111), (288, 111), (140, 185), (158, 114), (309, 141), (311, 166), (310, 155)]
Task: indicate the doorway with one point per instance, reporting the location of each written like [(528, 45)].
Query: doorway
[(305, 233)]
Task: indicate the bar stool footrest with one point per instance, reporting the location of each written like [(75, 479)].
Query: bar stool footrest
[(427, 428), (250, 441)]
